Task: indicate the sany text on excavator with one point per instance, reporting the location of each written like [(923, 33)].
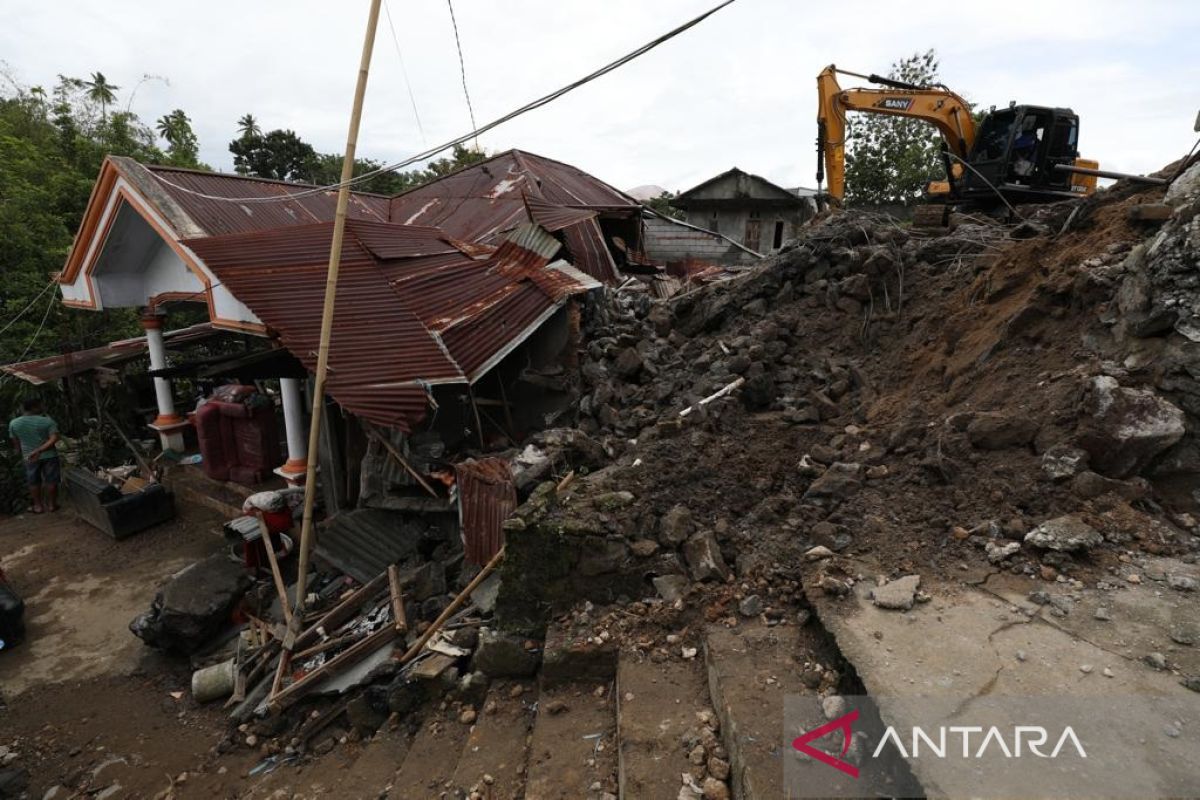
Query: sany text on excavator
[(1022, 153)]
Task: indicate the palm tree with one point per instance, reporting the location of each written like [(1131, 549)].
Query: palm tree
[(248, 126), (102, 92)]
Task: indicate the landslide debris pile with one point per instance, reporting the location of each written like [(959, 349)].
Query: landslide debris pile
[(1021, 397)]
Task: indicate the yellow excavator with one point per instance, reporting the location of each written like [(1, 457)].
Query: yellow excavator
[(1017, 154)]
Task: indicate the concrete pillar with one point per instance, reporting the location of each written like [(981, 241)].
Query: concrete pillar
[(168, 423), (297, 432)]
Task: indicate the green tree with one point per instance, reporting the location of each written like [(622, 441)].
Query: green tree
[(184, 148), (278, 154), (102, 92), (662, 205), (248, 126), (890, 159)]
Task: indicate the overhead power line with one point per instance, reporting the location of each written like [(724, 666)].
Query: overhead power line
[(404, 72), (22, 312), (462, 68), (433, 151)]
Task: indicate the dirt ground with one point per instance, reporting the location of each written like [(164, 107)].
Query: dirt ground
[(85, 705)]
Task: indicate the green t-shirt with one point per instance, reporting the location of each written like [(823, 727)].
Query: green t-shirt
[(32, 430)]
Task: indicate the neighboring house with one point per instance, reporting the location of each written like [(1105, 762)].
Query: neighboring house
[(749, 209), (675, 243)]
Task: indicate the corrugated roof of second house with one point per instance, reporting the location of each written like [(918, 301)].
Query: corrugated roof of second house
[(413, 309), (481, 202)]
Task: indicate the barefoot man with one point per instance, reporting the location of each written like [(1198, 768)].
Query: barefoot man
[(36, 435)]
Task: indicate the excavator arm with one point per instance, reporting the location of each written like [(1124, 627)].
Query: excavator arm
[(936, 105)]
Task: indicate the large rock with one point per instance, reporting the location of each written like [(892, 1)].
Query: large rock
[(1124, 429), (193, 606), (990, 431), (502, 655), (836, 483), (599, 556), (676, 526), (704, 558), (1064, 534)]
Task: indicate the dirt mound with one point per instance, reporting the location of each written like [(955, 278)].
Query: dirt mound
[(919, 399)]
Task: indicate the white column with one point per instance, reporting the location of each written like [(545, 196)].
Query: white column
[(168, 423), (162, 386), (297, 433)]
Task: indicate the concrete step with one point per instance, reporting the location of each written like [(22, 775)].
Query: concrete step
[(493, 761), (658, 706), (574, 744), (431, 760), (374, 772), (751, 670)]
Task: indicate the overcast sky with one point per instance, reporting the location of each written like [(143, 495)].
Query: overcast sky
[(738, 90)]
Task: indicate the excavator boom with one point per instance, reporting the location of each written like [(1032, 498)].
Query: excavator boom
[(936, 105)]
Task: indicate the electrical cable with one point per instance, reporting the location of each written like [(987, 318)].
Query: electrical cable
[(462, 68), (433, 151), (1003, 199), (404, 72), (38, 332), (21, 313)]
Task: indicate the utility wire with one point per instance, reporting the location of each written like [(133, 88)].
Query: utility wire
[(433, 151), (38, 332), (21, 313), (404, 72), (462, 68)]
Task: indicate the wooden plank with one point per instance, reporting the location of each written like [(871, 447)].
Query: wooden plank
[(393, 573), (343, 611), (394, 453), (356, 652), (453, 607), (433, 666), (265, 533)]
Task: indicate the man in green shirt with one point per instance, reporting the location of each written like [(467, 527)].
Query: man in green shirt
[(36, 435)]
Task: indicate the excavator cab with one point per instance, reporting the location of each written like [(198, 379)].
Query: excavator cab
[(1016, 152)]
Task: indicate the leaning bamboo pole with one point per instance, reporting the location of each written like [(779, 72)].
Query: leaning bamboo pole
[(331, 279)]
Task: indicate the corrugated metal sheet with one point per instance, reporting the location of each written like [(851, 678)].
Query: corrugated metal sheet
[(380, 352), (219, 217), (364, 542), (45, 370), (588, 251), (486, 498), (554, 217), (482, 202), (400, 323)]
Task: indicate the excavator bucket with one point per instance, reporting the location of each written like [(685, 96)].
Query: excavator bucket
[(931, 215)]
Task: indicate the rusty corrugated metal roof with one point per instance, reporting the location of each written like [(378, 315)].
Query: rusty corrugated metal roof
[(45, 370), (482, 202), (487, 497), (402, 321), (219, 217)]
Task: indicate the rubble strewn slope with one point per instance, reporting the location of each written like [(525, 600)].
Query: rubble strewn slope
[(930, 402)]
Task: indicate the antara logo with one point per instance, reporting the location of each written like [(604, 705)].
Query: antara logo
[(1033, 737), (1023, 739), (844, 724)]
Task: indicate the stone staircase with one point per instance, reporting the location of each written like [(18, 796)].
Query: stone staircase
[(717, 718)]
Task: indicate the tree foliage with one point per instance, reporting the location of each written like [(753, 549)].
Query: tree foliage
[(662, 205), (890, 159), (183, 148)]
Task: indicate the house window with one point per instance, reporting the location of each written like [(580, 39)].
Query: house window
[(714, 224), (778, 240)]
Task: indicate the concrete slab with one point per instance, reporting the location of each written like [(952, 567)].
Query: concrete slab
[(493, 759), (969, 647)]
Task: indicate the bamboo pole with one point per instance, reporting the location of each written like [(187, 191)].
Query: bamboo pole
[(335, 258), (453, 607), (265, 533)]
